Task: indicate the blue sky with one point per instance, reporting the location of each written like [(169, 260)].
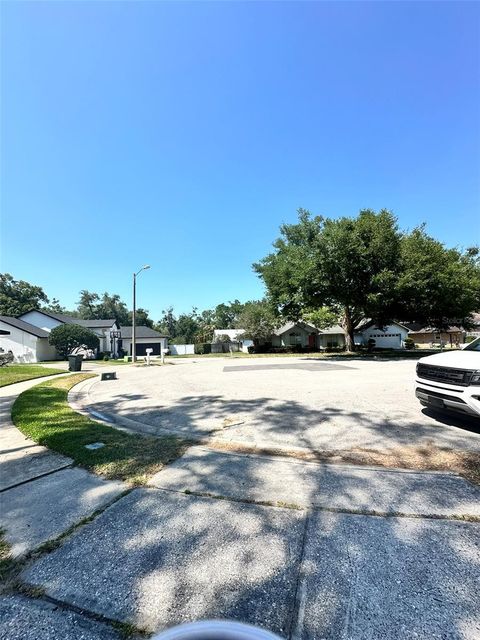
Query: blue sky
[(182, 134)]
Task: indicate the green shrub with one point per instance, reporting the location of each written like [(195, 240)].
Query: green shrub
[(409, 344), (203, 348), (67, 337), (106, 357)]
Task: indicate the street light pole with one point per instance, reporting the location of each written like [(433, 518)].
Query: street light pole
[(144, 268)]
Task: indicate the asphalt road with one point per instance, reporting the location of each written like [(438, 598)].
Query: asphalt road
[(287, 402)]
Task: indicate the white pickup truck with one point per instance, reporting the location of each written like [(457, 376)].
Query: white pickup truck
[(451, 380)]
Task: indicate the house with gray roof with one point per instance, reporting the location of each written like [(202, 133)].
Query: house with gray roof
[(305, 335), (113, 339), (47, 321), (27, 342)]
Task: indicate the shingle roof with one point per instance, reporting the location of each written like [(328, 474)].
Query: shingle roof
[(80, 321), (417, 327), (25, 326), (141, 332), (333, 330), (291, 325)]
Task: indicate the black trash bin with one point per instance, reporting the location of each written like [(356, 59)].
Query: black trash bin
[(75, 362)]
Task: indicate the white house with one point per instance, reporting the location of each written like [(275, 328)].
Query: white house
[(27, 342), (47, 321), (391, 336), (235, 335)]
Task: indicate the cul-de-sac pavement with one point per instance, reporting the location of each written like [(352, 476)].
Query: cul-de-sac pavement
[(250, 524)]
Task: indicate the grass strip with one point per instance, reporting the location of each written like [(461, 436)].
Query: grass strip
[(425, 457), (43, 414), (13, 373)]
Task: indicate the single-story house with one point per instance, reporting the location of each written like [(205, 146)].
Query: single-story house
[(305, 335), (47, 321), (145, 338), (391, 336), (27, 342), (235, 335), (424, 336)]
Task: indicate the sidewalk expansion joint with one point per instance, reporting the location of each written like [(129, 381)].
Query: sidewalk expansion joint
[(70, 465), (126, 629), (297, 611), (279, 504)]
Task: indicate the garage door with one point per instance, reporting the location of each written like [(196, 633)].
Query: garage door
[(387, 340), (140, 348)]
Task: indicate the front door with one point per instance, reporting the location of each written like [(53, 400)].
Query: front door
[(311, 341)]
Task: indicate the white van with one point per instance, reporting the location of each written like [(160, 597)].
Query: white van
[(451, 380)]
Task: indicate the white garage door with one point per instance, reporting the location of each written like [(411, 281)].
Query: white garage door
[(387, 340)]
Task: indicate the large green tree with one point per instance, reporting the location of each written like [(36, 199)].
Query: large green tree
[(167, 323), (19, 296), (67, 337), (351, 263), (437, 285), (258, 321), (226, 314)]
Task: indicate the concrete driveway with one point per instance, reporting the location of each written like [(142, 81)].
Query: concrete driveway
[(281, 402)]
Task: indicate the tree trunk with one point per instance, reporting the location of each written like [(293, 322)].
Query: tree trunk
[(348, 326)]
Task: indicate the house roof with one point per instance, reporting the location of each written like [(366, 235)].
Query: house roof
[(291, 325), (25, 326), (418, 327), (141, 332), (90, 324), (366, 323), (333, 330)]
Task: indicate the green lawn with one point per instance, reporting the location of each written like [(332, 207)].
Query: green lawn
[(19, 372), (43, 414)]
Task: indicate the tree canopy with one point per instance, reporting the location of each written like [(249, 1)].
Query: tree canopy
[(437, 285), (258, 321), (19, 296), (347, 262), (367, 268)]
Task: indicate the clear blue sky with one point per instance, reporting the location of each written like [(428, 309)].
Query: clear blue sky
[(182, 134)]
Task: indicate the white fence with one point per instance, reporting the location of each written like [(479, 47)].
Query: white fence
[(181, 349)]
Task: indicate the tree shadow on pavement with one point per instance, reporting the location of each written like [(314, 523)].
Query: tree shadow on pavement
[(157, 558)]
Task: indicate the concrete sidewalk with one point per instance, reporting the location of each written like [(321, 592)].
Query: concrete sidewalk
[(158, 558), (309, 484), (41, 495), (22, 459)]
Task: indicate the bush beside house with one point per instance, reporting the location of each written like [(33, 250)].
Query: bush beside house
[(67, 337)]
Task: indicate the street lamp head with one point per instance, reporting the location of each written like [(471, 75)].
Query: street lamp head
[(144, 268)]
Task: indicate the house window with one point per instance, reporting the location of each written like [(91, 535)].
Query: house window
[(295, 338)]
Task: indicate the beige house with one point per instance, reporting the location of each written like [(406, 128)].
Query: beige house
[(428, 337)]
